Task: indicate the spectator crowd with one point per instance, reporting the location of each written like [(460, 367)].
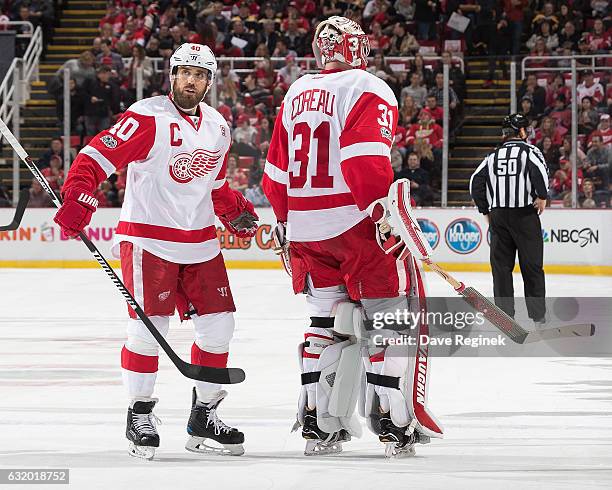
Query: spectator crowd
[(142, 34)]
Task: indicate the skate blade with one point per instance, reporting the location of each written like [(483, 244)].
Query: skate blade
[(392, 451), (197, 445), (317, 447), (141, 452)]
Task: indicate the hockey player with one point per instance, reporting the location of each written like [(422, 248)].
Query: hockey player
[(327, 177), (175, 148)]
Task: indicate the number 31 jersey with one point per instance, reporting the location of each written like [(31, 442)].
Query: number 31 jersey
[(329, 157)]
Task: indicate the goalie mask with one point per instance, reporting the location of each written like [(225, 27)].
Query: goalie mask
[(341, 39)]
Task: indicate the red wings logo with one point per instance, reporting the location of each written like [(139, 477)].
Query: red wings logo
[(185, 167)]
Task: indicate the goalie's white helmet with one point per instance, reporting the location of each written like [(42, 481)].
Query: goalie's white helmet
[(192, 54), (341, 39)]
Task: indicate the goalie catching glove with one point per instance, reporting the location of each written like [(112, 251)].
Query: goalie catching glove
[(397, 230)]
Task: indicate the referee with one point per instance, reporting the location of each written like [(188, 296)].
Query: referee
[(510, 187)]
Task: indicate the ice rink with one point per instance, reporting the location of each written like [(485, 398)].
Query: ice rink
[(516, 423)]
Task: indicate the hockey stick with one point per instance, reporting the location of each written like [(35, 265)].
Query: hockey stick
[(200, 373), (22, 203), (504, 322)]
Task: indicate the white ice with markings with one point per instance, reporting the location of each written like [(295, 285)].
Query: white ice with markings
[(517, 423)]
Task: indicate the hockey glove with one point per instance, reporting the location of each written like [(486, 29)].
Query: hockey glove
[(281, 245), (76, 211), (242, 223)]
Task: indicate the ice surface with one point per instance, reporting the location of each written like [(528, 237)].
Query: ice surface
[(509, 423)]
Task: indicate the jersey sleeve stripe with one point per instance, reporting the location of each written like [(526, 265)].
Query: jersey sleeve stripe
[(104, 163), (276, 174), (365, 149), (541, 166), (312, 203)]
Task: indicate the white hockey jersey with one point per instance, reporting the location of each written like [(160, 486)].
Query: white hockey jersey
[(329, 157), (175, 169)]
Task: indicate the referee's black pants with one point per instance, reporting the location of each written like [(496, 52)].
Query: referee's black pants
[(512, 230)]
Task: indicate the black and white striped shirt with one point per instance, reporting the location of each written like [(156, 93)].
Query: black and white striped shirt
[(511, 176)]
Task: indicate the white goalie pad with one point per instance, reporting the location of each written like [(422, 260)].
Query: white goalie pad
[(402, 377), (403, 222), (338, 376)]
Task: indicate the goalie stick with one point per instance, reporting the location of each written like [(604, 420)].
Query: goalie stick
[(22, 203), (403, 223), (200, 373), (504, 322)]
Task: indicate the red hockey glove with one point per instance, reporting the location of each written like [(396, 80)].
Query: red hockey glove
[(243, 222), (76, 211)]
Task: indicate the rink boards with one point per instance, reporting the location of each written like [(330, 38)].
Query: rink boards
[(575, 241)]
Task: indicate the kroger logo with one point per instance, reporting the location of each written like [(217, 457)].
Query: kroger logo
[(431, 232), (463, 235)]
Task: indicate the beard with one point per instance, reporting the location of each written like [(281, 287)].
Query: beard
[(187, 101)]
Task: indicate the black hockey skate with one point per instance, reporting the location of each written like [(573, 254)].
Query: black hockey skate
[(399, 441), (319, 442), (140, 430), (205, 424)]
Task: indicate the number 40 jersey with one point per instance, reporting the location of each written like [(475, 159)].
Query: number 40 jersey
[(329, 157)]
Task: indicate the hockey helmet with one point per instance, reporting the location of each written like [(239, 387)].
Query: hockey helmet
[(341, 39), (515, 125), (192, 54)]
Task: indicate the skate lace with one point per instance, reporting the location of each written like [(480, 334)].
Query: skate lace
[(217, 423), (145, 423)]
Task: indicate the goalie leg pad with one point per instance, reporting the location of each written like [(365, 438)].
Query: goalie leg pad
[(396, 376), (317, 338), (335, 379)]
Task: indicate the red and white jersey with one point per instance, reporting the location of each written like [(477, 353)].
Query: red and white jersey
[(329, 157), (175, 173)]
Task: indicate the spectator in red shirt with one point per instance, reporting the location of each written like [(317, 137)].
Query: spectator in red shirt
[(555, 88), (253, 114), (115, 17), (437, 113), (307, 8), (514, 14), (604, 130), (54, 173), (427, 130), (236, 177), (294, 14), (562, 180), (560, 112), (548, 127), (599, 40), (378, 41)]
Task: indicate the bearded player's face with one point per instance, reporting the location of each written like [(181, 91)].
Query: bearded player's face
[(189, 86)]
